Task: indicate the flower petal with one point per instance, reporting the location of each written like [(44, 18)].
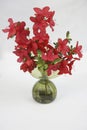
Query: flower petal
[(37, 10)]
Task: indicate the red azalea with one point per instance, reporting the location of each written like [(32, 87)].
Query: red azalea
[(49, 56), (51, 21), (43, 18), (42, 38), (21, 37), (41, 47), (27, 63), (21, 33), (41, 41), (28, 67), (69, 57), (12, 28), (52, 68), (63, 67), (38, 28), (70, 66), (32, 46), (20, 26), (24, 67), (22, 53), (39, 25), (43, 11), (35, 50), (48, 15), (62, 46), (77, 50)]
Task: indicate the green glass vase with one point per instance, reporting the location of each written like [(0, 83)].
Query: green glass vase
[(44, 91)]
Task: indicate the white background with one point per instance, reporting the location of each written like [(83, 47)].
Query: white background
[(18, 111)]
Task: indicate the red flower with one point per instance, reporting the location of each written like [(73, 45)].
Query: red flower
[(21, 33), (22, 53), (28, 64), (20, 26), (28, 67), (36, 51), (43, 19), (50, 20), (24, 67), (47, 15), (43, 11), (12, 28), (49, 56), (62, 46), (70, 66), (38, 28), (63, 67), (32, 46), (52, 68), (77, 50), (41, 41), (21, 37)]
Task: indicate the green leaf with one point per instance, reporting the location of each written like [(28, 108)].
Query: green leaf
[(45, 66), (39, 65), (68, 36), (27, 28), (56, 44), (57, 60), (39, 53), (40, 69)]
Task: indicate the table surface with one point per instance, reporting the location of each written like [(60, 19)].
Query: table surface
[(18, 110)]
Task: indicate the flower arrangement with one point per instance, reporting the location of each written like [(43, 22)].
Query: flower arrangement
[(37, 51)]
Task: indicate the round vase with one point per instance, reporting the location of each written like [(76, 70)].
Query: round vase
[(44, 91)]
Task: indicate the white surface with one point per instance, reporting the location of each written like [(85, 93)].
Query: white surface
[(18, 111)]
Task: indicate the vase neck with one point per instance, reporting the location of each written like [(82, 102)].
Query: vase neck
[(44, 77)]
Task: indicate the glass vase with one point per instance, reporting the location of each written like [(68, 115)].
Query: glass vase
[(44, 90)]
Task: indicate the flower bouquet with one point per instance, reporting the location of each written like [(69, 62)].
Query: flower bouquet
[(38, 56)]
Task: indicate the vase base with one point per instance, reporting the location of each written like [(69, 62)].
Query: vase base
[(44, 101), (44, 91)]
